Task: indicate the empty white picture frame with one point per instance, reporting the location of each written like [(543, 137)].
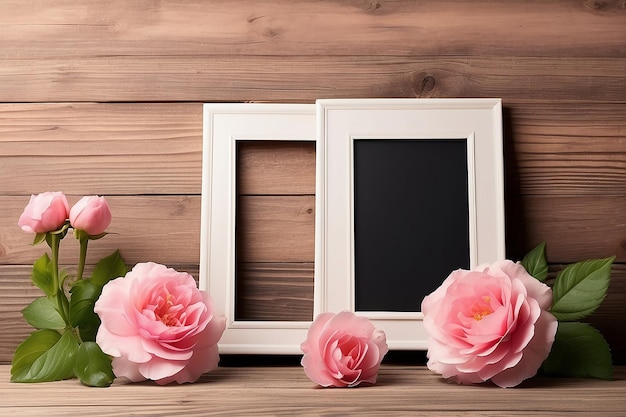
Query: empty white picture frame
[(436, 165), (225, 125)]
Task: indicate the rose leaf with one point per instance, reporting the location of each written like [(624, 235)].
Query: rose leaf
[(111, 267), (44, 356), (579, 351), (41, 314), (93, 367), (535, 262), (83, 297), (580, 288), (42, 275)]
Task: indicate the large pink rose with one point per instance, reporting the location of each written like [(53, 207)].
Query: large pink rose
[(490, 323), (45, 212), (91, 214), (343, 350), (157, 325)]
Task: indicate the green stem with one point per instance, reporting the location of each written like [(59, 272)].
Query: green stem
[(60, 298), (84, 241), (76, 334)]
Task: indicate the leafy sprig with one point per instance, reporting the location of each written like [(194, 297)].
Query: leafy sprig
[(63, 346), (579, 350)]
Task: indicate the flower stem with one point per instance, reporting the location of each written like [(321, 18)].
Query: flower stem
[(84, 241), (61, 300)]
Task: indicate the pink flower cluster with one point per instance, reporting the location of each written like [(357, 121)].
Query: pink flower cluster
[(490, 323), (155, 322), (47, 212)]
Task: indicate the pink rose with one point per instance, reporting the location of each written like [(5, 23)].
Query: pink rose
[(158, 325), (343, 350), (91, 214), (45, 212), (490, 323)]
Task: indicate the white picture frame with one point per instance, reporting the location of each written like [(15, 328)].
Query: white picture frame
[(341, 122), (223, 125)]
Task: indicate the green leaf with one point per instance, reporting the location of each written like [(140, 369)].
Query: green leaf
[(39, 238), (113, 266), (89, 328), (580, 288), (84, 294), (42, 275), (535, 262), (93, 367), (44, 356), (41, 314), (579, 351), (30, 349)]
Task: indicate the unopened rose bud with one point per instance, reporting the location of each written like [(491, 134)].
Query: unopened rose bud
[(91, 214), (45, 212)]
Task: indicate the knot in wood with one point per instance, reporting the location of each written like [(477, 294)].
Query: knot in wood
[(373, 5), (424, 84)]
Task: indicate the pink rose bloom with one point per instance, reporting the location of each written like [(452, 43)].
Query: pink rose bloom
[(490, 323), (343, 350), (158, 325), (45, 212), (91, 214)]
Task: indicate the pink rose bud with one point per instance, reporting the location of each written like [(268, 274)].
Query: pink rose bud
[(91, 214), (490, 323), (343, 350), (156, 324), (45, 212)]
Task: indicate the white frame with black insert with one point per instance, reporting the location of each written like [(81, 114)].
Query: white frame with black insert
[(341, 122)]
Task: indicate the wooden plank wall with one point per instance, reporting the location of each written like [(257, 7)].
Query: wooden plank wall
[(104, 97)]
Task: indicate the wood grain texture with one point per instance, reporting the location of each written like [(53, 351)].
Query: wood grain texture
[(198, 51), (574, 228), (117, 148), (568, 149), (276, 229), (274, 291), (105, 98), (306, 78), (286, 391), (447, 27), (275, 168), (278, 27)]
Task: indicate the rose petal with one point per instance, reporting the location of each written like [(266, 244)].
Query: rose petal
[(534, 354), (123, 368)]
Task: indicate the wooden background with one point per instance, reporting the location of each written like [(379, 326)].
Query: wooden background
[(105, 97)]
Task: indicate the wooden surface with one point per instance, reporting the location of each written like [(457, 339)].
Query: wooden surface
[(251, 391), (106, 98)]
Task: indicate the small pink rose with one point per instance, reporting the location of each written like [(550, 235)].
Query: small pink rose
[(490, 323), (45, 212), (91, 214), (158, 325), (343, 350)]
